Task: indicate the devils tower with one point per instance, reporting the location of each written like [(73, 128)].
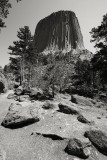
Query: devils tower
[(58, 31)]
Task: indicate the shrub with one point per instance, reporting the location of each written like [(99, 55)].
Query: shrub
[(83, 90)]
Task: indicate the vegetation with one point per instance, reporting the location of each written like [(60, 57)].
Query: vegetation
[(5, 5), (83, 78), (99, 61), (57, 71), (22, 57)]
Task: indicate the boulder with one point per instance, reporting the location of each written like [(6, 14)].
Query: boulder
[(36, 93), (98, 139), (11, 96), (67, 109), (77, 148), (16, 85), (69, 88), (81, 100), (20, 115), (82, 119), (23, 98), (19, 91), (48, 94), (48, 105)]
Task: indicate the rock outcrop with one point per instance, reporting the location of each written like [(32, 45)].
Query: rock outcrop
[(59, 31)]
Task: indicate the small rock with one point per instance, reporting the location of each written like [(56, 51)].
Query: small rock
[(48, 105), (98, 117), (82, 119), (67, 109)]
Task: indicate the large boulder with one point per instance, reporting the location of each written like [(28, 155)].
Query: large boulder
[(98, 139), (65, 108), (20, 115), (77, 148)]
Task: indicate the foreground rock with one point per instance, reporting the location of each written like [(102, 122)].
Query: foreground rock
[(20, 115), (82, 100), (77, 148), (67, 109), (98, 139)]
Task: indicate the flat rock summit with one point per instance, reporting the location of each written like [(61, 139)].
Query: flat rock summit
[(60, 31)]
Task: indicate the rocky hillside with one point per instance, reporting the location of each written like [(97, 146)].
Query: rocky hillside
[(58, 31)]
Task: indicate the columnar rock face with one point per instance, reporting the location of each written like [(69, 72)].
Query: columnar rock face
[(59, 31)]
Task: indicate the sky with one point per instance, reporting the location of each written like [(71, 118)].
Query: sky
[(30, 12)]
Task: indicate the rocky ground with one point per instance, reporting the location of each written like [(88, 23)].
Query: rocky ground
[(47, 139)]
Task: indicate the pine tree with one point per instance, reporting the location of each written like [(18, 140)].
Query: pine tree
[(99, 61), (23, 51), (5, 5)]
